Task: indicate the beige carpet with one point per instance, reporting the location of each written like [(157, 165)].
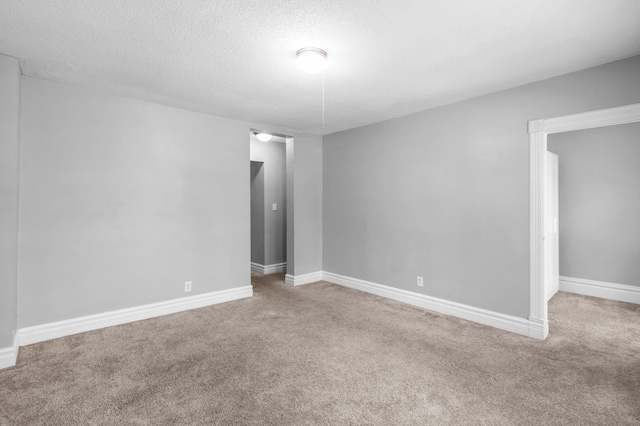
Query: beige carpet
[(323, 354)]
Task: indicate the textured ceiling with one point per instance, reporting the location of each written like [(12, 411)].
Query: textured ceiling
[(386, 58)]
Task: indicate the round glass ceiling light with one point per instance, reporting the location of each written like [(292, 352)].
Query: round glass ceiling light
[(264, 137), (312, 60)]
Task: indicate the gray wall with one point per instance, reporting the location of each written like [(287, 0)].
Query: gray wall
[(9, 126), (122, 201), (257, 212), (599, 187), (445, 193), (273, 156), (307, 157)]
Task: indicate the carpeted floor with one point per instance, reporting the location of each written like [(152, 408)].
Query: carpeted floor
[(324, 354)]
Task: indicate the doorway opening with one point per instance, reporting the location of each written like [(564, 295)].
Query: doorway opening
[(539, 249), (600, 207), (268, 168)]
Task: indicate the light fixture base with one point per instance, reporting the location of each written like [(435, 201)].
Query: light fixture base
[(263, 137), (312, 60)]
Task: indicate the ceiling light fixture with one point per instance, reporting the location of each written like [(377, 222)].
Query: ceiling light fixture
[(312, 60), (263, 137)]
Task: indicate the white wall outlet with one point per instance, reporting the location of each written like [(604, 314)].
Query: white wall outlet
[(420, 282), (274, 207), (187, 286)]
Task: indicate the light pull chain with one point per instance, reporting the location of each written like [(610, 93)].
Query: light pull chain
[(323, 101)]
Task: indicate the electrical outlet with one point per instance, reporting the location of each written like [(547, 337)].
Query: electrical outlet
[(420, 282), (274, 207), (187, 286)]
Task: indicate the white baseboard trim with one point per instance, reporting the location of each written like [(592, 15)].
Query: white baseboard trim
[(40, 333), (604, 290), (296, 280), (269, 269), (482, 316), (538, 329), (9, 355)]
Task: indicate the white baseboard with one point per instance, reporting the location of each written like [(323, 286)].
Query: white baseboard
[(296, 280), (538, 329), (269, 269), (40, 333), (482, 316), (9, 355), (604, 290)]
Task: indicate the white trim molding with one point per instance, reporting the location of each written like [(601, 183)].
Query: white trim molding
[(9, 355), (593, 119), (538, 131), (269, 269), (309, 278), (604, 290), (537, 295), (40, 333), (470, 313)]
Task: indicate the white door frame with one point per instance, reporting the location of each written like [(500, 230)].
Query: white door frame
[(538, 131)]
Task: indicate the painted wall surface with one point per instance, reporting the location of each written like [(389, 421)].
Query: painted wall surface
[(9, 153), (599, 189), (273, 156), (257, 212), (444, 193), (122, 201), (307, 189)]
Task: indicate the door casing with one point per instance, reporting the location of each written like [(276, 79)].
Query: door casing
[(538, 131)]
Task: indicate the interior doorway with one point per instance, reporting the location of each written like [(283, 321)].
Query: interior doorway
[(268, 204), (539, 251), (600, 207), (257, 213)]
